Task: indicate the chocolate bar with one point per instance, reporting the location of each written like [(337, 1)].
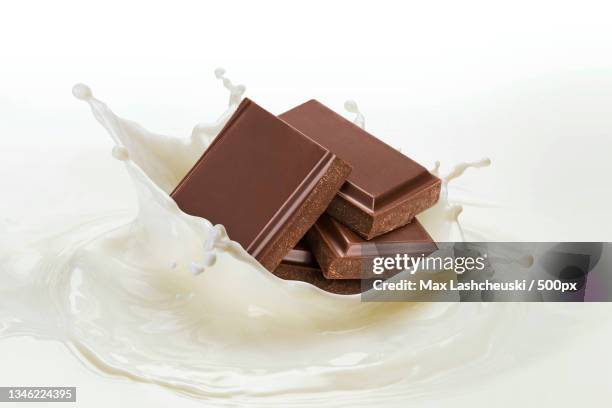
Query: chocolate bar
[(264, 181), (342, 254), (385, 189), (300, 265)]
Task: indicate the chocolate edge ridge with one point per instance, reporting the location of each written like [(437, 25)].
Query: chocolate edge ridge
[(306, 215), (329, 259), (367, 226), (283, 216), (321, 250), (424, 200)]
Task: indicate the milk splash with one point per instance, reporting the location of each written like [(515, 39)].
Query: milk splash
[(442, 220), (122, 295)]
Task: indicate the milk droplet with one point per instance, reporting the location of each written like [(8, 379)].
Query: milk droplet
[(81, 91), (209, 259), (351, 106), (219, 72), (436, 169), (220, 234), (240, 89), (236, 91), (120, 153), (196, 268)]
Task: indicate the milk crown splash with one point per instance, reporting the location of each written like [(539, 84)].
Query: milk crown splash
[(120, 295), (156, 164)]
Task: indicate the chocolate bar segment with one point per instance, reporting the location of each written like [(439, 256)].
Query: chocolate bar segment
[(342, 254), (299, 264), (264, 181), (385, 189)]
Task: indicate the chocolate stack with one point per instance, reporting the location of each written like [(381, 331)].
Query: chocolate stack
[(310, 195)]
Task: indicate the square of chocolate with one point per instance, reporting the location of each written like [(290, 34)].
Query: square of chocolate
[(385, 189), (342, 254), (264, 181)]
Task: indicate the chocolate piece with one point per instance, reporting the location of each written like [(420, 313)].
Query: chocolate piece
[(264, 181), (342, 254), (385, 190), (300, 265)]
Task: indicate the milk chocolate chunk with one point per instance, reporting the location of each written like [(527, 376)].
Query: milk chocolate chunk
[(385, 190), (264, 181), (299, 264), (342, 254)]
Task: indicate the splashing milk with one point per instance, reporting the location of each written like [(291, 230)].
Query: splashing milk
[(123, 296)]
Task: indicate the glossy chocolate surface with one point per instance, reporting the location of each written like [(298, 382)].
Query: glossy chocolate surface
[(409, 239), (342, 254), (382, 178), (264, 181)]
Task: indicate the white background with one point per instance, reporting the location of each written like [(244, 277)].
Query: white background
[(528, 84)]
